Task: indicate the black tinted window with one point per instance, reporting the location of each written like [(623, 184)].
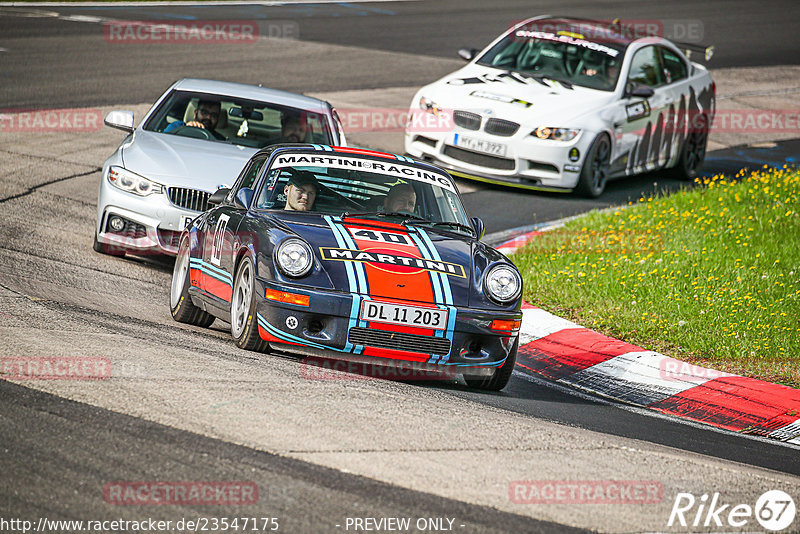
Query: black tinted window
[(674, 66)]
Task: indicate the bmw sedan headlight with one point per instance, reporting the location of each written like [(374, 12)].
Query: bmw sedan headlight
[(293, 257), (556, 134), (503, 284), (132, 182), (426, 104)]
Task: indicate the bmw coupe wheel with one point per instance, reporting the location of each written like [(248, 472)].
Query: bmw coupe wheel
[(594, 173), (180, 303), (693, 152), (244, 324), (501, 376)]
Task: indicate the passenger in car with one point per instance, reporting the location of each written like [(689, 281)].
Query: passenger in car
[(401, 197), (301, 191), (294, 128)]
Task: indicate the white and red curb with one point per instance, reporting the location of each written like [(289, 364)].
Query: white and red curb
[(569, 354)]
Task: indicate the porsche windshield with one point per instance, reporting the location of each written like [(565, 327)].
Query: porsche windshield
[(561, 56), (238, 121), (366, 187)]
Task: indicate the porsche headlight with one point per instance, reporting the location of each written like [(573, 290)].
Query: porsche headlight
[(294, 257), (503, 284), (556, 134), (426, 104), (132, 182)]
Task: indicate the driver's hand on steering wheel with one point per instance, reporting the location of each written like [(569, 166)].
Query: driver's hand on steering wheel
[(196, 124)]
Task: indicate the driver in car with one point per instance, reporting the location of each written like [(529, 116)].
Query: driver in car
[(206, 117), (301, 191)]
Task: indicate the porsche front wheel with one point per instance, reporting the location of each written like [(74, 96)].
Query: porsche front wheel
[(180, 303), (244, 324)]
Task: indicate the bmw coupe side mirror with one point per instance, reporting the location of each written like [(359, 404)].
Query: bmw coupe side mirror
[(121, 120), (467, 53), (218, 197), (479, 227), (639, 90)]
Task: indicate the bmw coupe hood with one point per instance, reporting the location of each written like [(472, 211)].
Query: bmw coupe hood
[(184, 162), (427, 266), (514, 97)]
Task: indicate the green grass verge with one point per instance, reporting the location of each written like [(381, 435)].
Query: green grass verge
[(710, 275)]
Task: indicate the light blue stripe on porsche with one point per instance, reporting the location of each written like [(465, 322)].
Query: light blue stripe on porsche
[(352, 280), (212, 271), (262, 322), (448, 292), (360, 268)]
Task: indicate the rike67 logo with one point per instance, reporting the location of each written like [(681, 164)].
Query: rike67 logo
[(774, 510)]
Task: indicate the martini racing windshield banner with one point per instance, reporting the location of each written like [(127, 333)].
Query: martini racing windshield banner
[(388, 168)]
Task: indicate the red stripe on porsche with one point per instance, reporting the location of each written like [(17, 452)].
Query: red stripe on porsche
[(364, 151), (736, 403), (393, 281), (266, 336), (212, 285), (570, 350)]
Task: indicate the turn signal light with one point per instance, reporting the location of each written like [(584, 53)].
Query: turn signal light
[(289, 298), (506, 326)]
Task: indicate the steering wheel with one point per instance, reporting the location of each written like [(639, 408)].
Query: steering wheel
[(192, 131)]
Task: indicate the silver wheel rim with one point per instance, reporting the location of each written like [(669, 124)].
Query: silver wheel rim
[(179, 275), (242, 296)]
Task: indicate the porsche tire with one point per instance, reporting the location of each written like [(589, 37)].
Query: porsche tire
[(501, 375), (244, 324), (180, 303), (594, 173)]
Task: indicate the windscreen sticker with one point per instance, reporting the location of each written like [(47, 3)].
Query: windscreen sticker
[(377, 167), (567, 39), (344, 254)]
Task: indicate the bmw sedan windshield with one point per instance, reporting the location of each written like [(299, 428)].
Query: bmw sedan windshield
[(233, 120)]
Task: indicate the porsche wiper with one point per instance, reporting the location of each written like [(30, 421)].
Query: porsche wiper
[(451, 224), (407, 216)]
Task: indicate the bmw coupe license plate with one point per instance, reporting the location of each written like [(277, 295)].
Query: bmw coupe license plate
[(481, 145), (384, 312)]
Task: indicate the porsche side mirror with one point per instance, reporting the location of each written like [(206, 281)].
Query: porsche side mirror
[(243, 198), (639, 90), (218, 197), (467, 54), (479, 227), (121, 120)]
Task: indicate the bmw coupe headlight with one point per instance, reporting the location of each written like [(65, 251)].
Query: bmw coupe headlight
[(555, 134), (503, 284), (426, 104), (294, 257), (132, 182)]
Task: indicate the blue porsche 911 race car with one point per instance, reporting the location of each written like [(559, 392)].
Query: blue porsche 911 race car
[(353, 255)]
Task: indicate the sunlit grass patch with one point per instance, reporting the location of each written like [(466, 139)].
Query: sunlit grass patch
[(710, 275)]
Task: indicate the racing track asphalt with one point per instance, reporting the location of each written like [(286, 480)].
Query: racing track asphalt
[(42, 74)]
